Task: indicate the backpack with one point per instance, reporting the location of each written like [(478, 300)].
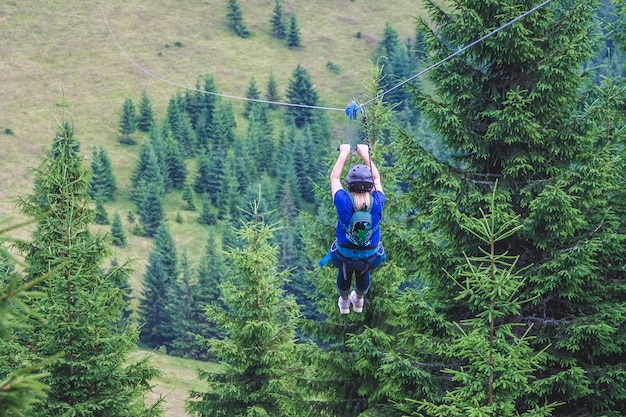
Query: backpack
[(361, 228)]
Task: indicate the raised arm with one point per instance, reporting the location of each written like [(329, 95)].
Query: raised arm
[(335, 174), (363, 151)]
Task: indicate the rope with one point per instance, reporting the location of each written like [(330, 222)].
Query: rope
[(164, 80), (463, 49), (419, 74)]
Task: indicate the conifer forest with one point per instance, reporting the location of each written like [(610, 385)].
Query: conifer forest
[(186, 219)]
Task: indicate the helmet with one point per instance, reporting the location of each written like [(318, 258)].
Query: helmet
[(360, 179)]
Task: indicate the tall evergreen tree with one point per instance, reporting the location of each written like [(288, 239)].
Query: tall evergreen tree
[(164, 245), (212, 272), (118, 237), (301, 91), (277, 20), (293, 36), (188, 198), (103, 184), (81, 303), (151, 213), (223, 127), (235, 19), (253, 93), (202, 182), (153, 316), (128, 118), (495, 357), (174, 162), (258, 349), (509, 111), (145, 118), (180, 308), (271, 93), (20, 381)]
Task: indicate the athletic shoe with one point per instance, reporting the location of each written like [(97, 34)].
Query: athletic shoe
[(344, 305), (357, 303)]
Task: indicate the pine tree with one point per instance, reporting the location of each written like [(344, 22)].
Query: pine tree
[(258, 349), (176, 169), (277, 21), (102, 183), (154, 297), (81, 303), (188, 198), (509, 111), (496, 359), (252, 94), (301, 91), (201, 183), (20, 381), (128, 118), (118, 237), (293, 36), (223, 126), (212, 272), (235, 19), (145, 119), (148, 173), (180, 308), (151, 213), (272, 93), (101, 216), (164, 245)]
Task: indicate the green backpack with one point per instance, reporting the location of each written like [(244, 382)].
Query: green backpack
[(361, 228)]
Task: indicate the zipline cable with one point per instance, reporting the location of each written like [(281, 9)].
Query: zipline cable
[(395, 87), (164, 80), (460, 51)]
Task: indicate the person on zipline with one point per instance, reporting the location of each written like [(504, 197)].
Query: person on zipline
[(357, 248)]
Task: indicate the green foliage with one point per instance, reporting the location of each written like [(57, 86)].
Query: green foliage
[(510, 111), (151, 214), (258, 348), (81, 303), (145, 118), (118, 237), (293, 36), (235, 19), (497, 360), (20, 378), (272, 93), (277, 21), (103, 184), (152, 314), (301, 91), (128, 118)]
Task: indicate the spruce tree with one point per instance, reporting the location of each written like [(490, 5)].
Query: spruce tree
[(293, 36), (271, 93), (201, 183), (508, 110), (180, 308), (81, 303), (101, 216), (103, 184), (301, 91), (212, 272), (118, 237), (277, 21), (176, 169), (128, 118), (145, 118), (235, 19), (253, 93), (151, 213), (20, 380), (153, 316), (257, 351), (188, 198)]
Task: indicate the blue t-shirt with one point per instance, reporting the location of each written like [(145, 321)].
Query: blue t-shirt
[(343, 205)]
